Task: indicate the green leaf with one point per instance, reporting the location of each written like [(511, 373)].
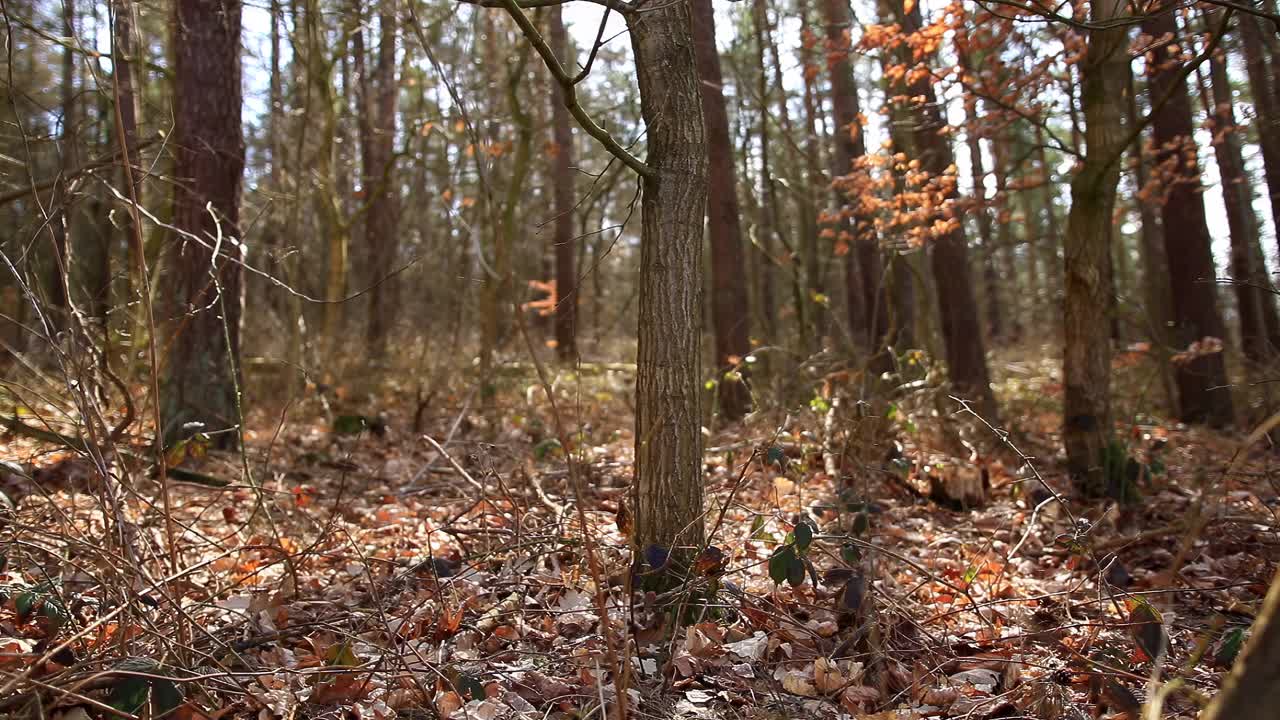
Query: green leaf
[(970, 574), (349, 424), (41, 599), (128, 693), (1232, 642), (795, 570), (757, 527), (780, 563), (775, 455), (804, 536), (469, 685), (861, 523), (545, 448), (850, 553)]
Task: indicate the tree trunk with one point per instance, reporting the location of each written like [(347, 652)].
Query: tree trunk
[(1087, 425), (729, 305), (1004, 240), (966, 352), (1252, 690), (667, 494), (381, 192), (126, 109), (566, 317), (59, 271), (768, 227), (990, 279), (1253, 303), (1157, 293), (201, 377), (1262, 71), (815, 286), (867, 303), (1202, 381)]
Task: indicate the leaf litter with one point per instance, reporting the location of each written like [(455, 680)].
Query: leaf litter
[(363, 577)]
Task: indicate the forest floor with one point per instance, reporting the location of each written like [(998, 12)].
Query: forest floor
[(927, 571)]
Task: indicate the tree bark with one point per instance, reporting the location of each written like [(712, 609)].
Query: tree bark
[(866, 301), (1253, 303), (965, 349), (982, 214), (1157, 293), (566, 317), (1262, 71), (1087, 424), (667, 494), (126, 107), (729, 305), (814, 266), (1202, 381), (1252, 690), (201, 377), (59, 270), (381, 192)]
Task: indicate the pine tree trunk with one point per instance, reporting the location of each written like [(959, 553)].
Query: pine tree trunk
[(990, 279), (1253, 303), (867, 302), (1087, 425), (1157, 294), (381, 191), (566, 247), (949, 255), (202, 371), (729, 305), (1265, 87), (1202, 381), (815, 285), (667, 494)]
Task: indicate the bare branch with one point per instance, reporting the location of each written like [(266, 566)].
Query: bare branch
[(566, 82)]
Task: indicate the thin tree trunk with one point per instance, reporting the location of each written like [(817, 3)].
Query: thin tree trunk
[(768, 215), (566, 250), (1253, 303), (59, 271), (667, 495), (1087, 424), (729, 305), (381, 191), (1157, 293), (202, 378), (864, 286), (1262, 70), (1202, 381), (961, 331), (813, 267), (1004, 240), (990, 279)]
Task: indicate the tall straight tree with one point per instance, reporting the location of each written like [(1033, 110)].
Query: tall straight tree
[(378, 95), (1202, 381), (1255, 305), (666, 497), (868, 310), (201, 378), (1087, 425), (966, 351), (1262, 70), (729, 315), (565, 248)]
